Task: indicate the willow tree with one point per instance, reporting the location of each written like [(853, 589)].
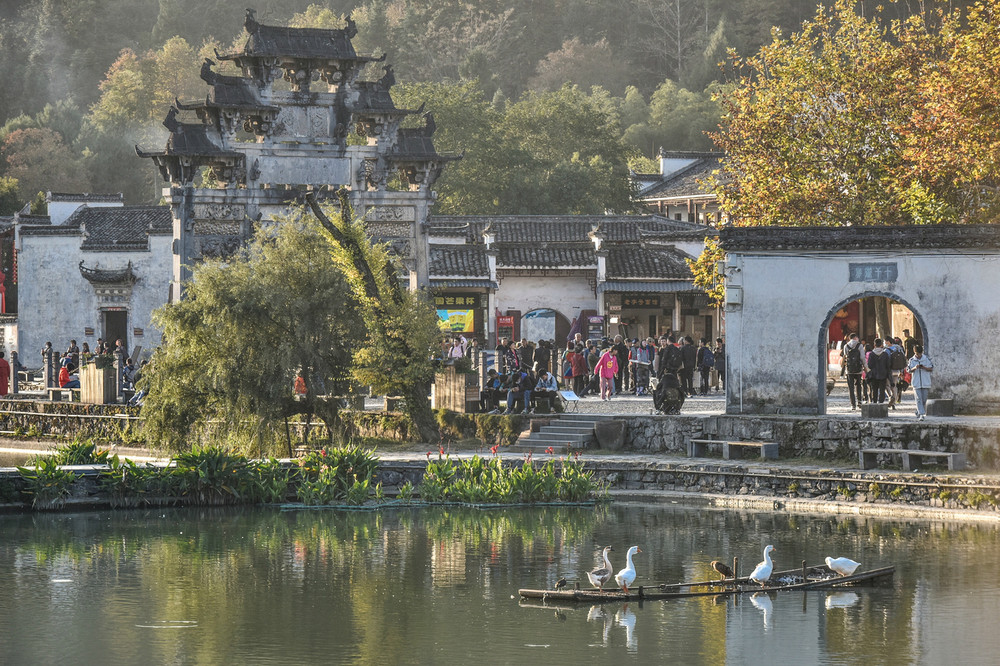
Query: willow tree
[(395, 356), (246, 327)]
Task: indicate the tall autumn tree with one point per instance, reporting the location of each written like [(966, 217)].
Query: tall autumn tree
[(812, 128), (952, 146)]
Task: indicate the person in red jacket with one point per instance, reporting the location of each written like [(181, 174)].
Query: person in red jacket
[(4, 375), (65, 381)]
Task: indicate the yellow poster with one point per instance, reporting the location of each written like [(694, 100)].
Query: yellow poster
[(457, 321)]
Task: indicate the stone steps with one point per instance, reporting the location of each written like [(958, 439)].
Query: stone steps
[(563, 432)]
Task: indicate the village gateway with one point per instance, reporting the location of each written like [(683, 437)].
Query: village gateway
[(786, 285)]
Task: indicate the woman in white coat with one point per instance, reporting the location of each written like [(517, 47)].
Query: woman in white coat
[(920, 368)]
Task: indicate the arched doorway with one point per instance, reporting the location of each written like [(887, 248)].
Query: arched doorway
[(871, 314)]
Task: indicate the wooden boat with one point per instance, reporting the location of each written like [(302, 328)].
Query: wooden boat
[(806, 578)]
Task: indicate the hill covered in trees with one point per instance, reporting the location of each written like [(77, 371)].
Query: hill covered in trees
[(551, 100)]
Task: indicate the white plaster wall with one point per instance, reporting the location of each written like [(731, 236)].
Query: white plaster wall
[(775, 339), (52, 295), (567, 295), (55, 302)]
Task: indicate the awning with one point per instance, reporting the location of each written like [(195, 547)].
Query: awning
[(660, 287)]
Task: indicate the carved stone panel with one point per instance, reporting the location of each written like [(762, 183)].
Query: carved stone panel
[(390, 214), (214, 211)]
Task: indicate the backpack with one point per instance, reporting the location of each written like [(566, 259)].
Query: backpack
[(853, 357), (707, 358), (898, 360), (671, 359)]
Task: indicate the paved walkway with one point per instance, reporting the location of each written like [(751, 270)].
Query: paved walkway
[(838, 406)]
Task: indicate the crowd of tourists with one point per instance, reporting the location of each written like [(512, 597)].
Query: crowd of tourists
[(528, 371), (70, 360), (880, 372)]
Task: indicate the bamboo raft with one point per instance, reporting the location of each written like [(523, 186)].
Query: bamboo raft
[(806, 578)]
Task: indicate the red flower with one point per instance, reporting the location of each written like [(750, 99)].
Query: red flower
[(428, 454), (493, 449), (549, 450), (441, 451)]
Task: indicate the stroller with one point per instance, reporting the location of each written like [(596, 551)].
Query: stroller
[(668, 396)]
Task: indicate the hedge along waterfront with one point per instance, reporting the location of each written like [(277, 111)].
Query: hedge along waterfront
[(81, 474)]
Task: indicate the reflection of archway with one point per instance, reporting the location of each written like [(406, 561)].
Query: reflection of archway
[(824, 333), (544, 324)]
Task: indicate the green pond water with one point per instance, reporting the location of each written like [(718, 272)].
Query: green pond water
[(439, 586)]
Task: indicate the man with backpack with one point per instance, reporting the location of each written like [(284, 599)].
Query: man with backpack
[(897, 363), (705, 361), (878, 371), (853, 358)]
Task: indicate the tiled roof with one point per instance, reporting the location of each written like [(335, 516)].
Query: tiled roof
[(638, 261), (546, 256), (273, 41), (534, 229), (234, 91), (459, 260), (684, 183), (190, 139), (648, 286), (85, 197), (121, 228)]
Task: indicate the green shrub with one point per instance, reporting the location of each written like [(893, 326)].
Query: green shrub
[(343, 474), (211, 475), (80, 452), (48, 485)]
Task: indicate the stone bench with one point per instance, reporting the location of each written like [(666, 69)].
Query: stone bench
[(869, 457), (698, 447), (871, 410), (57, 394), (940, 407)]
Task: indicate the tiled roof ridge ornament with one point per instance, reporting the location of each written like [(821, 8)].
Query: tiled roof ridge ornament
[(250, 21), (596, 234), (489, 235)]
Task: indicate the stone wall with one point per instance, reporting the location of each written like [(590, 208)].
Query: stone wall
[(817, 437)]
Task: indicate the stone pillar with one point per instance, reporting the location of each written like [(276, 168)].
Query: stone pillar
[(50, 373), (119, 375), (15, 368)]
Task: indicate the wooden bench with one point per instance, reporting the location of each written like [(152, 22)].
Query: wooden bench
[(869, 457), (57, 394), (698, 447)]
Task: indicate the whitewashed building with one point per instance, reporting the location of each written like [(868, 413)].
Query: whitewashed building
[(786, 285), (92, 268)]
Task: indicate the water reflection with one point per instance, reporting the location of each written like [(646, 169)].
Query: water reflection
[(626, 618), (841, 600), (762, 602), (407, 586)]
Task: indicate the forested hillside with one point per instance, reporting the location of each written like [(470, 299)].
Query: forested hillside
[(85, 80)]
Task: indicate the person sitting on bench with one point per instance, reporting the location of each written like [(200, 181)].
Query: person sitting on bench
[(519, 392), (546, 388), (489, 396), (65, 381)]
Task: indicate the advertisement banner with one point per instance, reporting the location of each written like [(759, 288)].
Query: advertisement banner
[(457, 321)]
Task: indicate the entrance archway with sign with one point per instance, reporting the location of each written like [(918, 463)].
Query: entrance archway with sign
[(857, 315)]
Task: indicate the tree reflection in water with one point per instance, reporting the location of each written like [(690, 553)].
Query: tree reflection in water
[(414, 586)]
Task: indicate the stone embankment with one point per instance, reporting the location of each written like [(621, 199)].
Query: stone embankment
[(818, 436)]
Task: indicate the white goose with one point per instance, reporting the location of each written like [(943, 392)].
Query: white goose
[(763, 571), (600, 576), (626, 576), (844, 566)]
